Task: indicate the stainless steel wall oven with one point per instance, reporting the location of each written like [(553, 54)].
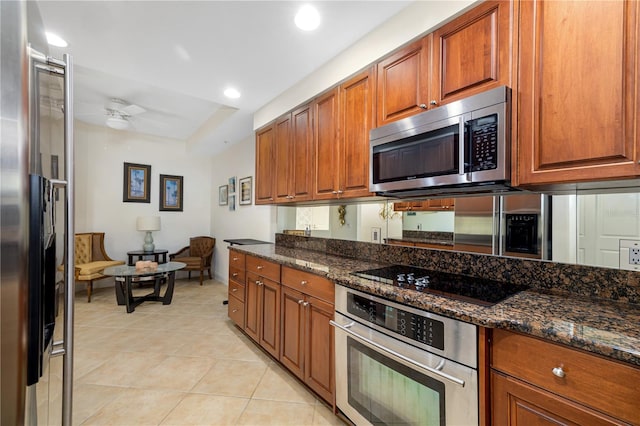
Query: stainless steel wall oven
[(396, 365)]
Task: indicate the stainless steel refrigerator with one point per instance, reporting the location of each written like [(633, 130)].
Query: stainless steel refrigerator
[(36, 223)]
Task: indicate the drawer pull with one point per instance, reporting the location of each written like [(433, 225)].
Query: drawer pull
[(234, 311), (558, 372), (235, 274), (235, 259), (258, 282), (303, 282), (259, 267), (234, 290)]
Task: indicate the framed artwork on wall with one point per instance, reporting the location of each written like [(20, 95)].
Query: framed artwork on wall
[(245, 185), (232, 185), (222, 195), (136, 186), (170, 193), (232, 203)]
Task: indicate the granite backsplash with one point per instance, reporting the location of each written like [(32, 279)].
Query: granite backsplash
[(584, 281)]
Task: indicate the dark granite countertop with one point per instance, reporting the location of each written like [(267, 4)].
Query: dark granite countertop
[(423, 241), (611, 329)]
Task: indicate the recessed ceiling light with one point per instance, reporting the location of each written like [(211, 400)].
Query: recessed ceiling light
[(308, 18), (55, 40), (232, 93)]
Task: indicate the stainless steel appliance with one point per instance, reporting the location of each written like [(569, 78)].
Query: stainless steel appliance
[(460, 148), (36, 214), (399, 365), (517, 225)]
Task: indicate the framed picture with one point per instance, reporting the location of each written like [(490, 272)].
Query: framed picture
[(222, 195), (232, 185), (245, 190), (170, 193), (136, 186), (232, 202)]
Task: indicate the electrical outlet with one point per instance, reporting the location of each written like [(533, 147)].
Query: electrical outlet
[(630, 255)]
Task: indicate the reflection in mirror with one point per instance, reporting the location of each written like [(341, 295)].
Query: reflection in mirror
[(589, 229)]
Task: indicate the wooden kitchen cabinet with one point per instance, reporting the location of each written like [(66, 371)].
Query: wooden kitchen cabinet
[(438, 204), (407, 206), (527, 388), (473, 53), (293, 158), (236, 294), (265, 165), (403, 80), (307, 347), (578, 99), (343, 117), (262, 304)]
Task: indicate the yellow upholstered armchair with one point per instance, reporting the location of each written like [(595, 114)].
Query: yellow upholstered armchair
[(197, 255), (91, 259)]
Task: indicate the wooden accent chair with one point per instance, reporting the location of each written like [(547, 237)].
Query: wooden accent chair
[(91, 259), (197, 255)]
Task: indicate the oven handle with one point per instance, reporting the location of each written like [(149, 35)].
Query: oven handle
[(431, 370)]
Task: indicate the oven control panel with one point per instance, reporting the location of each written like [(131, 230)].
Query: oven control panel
[(420, 328)]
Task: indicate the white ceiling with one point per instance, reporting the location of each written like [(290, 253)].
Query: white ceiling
[(175, 58)]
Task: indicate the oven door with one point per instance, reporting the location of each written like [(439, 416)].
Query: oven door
[(383, 381)]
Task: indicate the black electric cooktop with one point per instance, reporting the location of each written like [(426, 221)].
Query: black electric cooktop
[(461, 287)]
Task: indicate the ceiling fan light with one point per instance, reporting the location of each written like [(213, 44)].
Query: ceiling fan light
[(117, 123)]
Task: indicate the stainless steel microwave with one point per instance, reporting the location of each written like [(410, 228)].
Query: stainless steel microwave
[(456, 149)]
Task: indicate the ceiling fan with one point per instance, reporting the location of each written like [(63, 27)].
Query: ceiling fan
[(119, 112)]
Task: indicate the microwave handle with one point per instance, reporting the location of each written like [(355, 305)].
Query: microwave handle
[(463, 141)]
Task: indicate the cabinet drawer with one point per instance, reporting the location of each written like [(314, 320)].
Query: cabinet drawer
[(608, 386), (236, 275), (264, 268), (236, 311), (236, 259), (236, 290), (308, 283)]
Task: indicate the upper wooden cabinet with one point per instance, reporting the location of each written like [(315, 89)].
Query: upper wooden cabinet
[(293, 153), (473, 53), (578, 96), (468, 55), (343, 117), (265, 165), (403, 80)]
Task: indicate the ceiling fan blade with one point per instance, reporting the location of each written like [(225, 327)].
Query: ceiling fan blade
[(133, 110)]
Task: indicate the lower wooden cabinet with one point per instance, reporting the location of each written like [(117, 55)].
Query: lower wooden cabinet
[(262, 312), (538, 382), (307, 347)]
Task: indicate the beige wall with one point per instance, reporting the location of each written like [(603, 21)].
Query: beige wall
[(99, 156)]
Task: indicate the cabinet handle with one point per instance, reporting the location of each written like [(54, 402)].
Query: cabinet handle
[(234, 311), (423, 106), (259, 267), (235, 259), (305, 304), (303, 282), (234, 290), (300, 302), (433, 102), (558, 372), (235, 274), (258, 282), (334, 192)]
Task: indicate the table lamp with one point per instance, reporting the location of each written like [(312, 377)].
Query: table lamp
[(148, 224)]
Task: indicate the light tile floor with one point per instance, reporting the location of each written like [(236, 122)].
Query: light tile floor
[(180, 364)]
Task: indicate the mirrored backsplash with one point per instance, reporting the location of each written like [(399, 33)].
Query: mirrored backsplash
[(587, 229)]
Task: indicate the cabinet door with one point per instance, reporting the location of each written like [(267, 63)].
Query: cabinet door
[(319, 348), (302, 154), (578, 91), (252, 307), (515, 403), (292, 344), (403, 82), (473, 52), (269, 322), (407, 206), (265, 158), (282, 165), (356, 109), (326, 146)]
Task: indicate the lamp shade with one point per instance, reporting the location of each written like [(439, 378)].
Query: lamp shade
[(148, 223)]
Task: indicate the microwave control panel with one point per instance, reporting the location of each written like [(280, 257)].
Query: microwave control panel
[(483, 133)]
